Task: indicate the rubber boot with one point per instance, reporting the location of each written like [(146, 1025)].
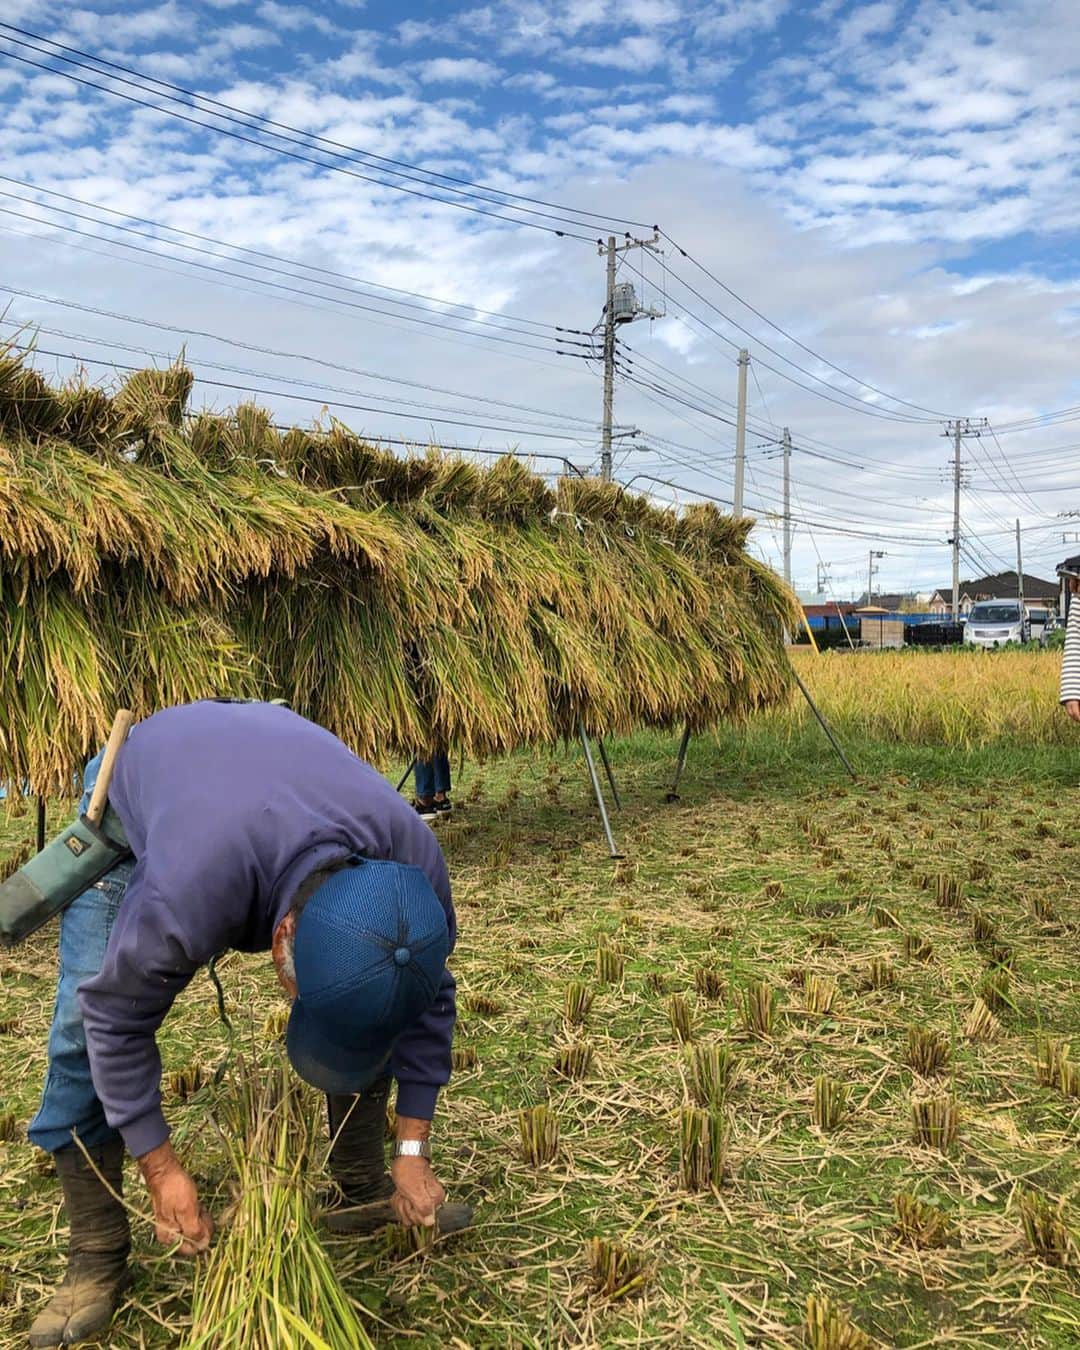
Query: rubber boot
[(357, 1150), (97, 1270), (362, 1185)]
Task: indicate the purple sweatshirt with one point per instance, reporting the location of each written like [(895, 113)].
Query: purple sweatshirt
[(228, 807)]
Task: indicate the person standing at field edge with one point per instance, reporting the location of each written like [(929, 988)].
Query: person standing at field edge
[(1070, 664), (252, 829), (432, 778)]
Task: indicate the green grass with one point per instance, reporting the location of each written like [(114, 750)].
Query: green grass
[(799, 1210)]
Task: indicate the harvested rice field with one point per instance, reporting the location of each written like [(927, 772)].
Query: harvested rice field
[(802, 1069)]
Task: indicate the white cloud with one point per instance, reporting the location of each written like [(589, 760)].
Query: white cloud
[(634, 52), (457, 70), (294, 18)]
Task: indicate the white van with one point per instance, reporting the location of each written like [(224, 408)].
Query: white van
[(992, 623)]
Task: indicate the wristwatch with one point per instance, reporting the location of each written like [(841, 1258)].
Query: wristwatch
[(412, 1148)]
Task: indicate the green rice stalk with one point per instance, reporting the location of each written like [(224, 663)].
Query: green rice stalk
[(935, 1121), (539, 1129), (703, 1140), (711, 1072), (829, 1326), (1046, 1230), (759, 1007), (830, 1102), (615, 1271), (920, 1224), (577, 1002)]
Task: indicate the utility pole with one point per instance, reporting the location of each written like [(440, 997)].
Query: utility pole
[(874, 553), (822, 576), (957, 431), (956, 525), (787, 506), (1019, 571), (609, 363), (626, 311), (740, 435)]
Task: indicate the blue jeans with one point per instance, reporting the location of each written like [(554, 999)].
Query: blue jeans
[(69, 1102), (432, 776)]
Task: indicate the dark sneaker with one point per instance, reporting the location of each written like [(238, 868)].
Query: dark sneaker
[(443, 807), (426, 810)]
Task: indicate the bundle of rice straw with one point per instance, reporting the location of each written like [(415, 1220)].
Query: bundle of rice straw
[(268, 1283)]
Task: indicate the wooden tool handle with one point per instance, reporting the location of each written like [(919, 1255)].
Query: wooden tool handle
[(122, 724)]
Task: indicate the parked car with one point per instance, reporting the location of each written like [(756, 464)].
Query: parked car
[(1040, 623), (993, 623)]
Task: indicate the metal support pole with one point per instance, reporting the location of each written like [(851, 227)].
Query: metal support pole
[(824, 725), (607, 769), (680, 763), (404, 776), (40, 823), (612, 847)]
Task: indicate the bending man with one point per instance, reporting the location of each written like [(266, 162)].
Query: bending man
[(253, 830)]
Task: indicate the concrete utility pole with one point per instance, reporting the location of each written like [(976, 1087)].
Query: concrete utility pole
[(874, 553), (822, 577), (614, 315), (1019, 571), (787, 506), (956, 526), (740, 436), (957, 431), (609, 363)]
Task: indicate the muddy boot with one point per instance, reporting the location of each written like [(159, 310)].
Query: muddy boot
[(97, 1270), (357, 1152)]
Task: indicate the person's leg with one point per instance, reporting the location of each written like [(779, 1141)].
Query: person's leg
[(441, 772), (359, 1204), (424, 777), (357, 1148), (99, 1243)]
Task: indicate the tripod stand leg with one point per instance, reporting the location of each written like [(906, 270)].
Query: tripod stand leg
[(680, 764), (612, 847), (824, 726), (607, 769)]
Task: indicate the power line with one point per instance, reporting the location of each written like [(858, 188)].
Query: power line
[(391, 165), (273, 149), (286, 394), (255, 266), (271, 257), (936, 415), (277, 353)]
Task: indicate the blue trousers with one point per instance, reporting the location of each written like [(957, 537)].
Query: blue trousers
[(69, 1103), (432, 775)]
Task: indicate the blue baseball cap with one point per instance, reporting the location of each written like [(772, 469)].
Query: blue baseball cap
[(369, 950)]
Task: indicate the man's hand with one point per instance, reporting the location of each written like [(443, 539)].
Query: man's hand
[(419, 1192), (177, 1211), (1073, 709)]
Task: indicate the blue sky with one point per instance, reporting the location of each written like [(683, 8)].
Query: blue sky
[(893, 183)]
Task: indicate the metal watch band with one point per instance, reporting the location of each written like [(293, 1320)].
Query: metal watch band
[(412, 1148)]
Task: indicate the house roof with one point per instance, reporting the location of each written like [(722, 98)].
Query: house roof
[(1002, 585)]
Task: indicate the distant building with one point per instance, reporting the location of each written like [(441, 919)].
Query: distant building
[(1000, 586)]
